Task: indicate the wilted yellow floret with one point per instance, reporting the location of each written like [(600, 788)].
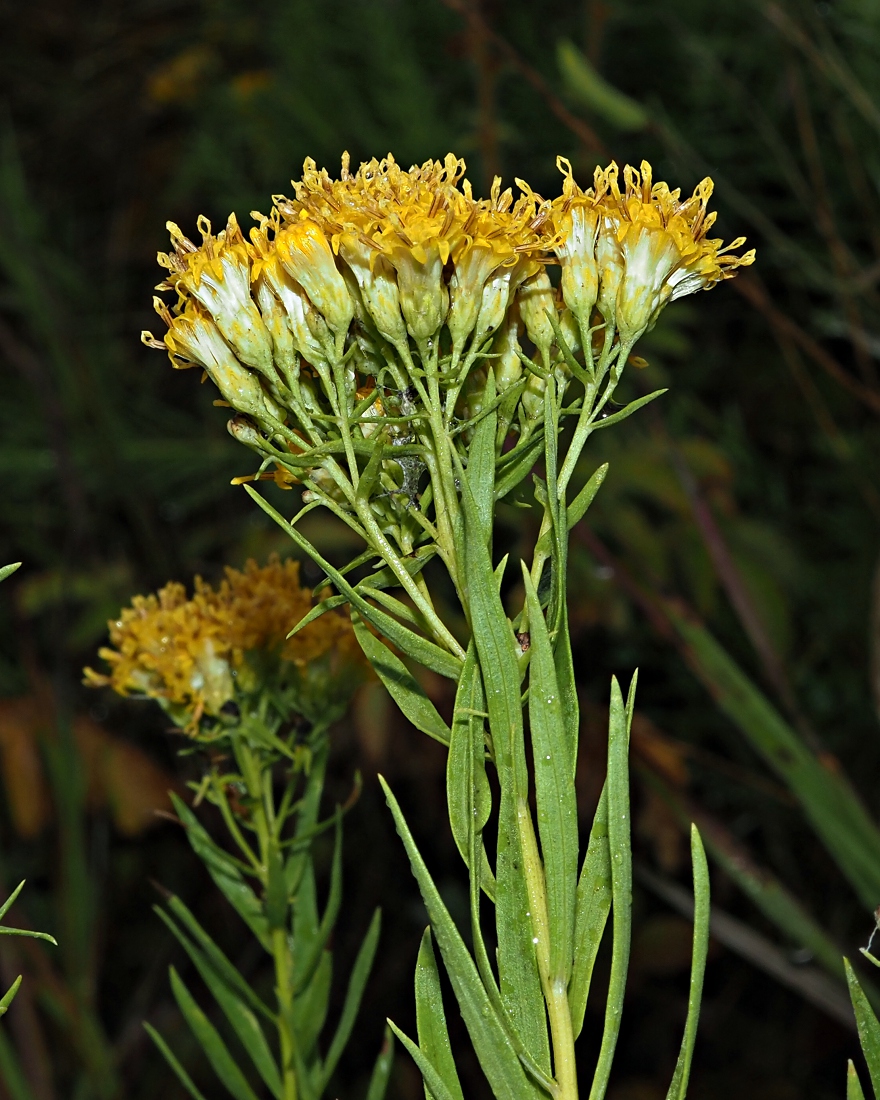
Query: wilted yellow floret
[(189, 652)]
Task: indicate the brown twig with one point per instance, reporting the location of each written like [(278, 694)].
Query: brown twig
[(752, 290), (577, 125)]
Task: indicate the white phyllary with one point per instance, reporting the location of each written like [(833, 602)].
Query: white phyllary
[(576, 252), (649, 258), (198, 339), (275, 320), (307, 256), (378, 286), (227, 297), (299, 309)]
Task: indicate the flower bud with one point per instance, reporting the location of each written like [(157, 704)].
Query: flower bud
[(533, 398), (305, 253), (378, 286), (246, 432), (308, 329), (193, 336), (275, 320), (466, 287), (424, 299), (536, 299), (508, 366)]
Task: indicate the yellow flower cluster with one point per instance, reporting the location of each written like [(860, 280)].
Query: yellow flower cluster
[(630, 253), (192, 653), (350, 294)]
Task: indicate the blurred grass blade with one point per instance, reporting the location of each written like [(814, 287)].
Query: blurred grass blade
[(554, 790), (869, 1028), (679, 1084), (402, 686), (382, 1068), (493, 1048), (435, 1086), (591, 90), (210, 1041), (828, 800), (431, 1019), (244, 1022), (354, 995), (591, 913), (620, 851), (172, 1061)]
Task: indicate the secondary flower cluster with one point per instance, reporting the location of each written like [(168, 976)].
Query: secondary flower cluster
[(196, 655), (371, 308)]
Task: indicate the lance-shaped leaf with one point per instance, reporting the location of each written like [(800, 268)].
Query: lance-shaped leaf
[(363, 964), (226, 875), (519, 464), (480, 472), (592, 907), (467, 788), (853, 1084), (431, 1019), (243, 1021), (172, 1061), (210, 1041), (679, 1084), (619, 846), (627, 410), (435, 1086), (413, 645), (869, 1028), (554, 790), (495, 644), (8, 570), (402, 686), (382, 1068), (492, 1045)]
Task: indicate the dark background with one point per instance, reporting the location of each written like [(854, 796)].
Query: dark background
[(115, 470)]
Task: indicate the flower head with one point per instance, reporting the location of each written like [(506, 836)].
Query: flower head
[(194, 654)]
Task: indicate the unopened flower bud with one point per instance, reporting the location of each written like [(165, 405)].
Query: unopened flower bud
[(536, 300), (470, 277), (306, 254), (275, 320), (246, 432), (533, 398), (424, 300), (508, 366), (378, 286)]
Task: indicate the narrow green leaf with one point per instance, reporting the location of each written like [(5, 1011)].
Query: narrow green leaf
[(853, 1085), (210, 1041), (493, 1048), (10, 901), (225, 874), (431, 1021), (172, 1061), (435, 1086), (578, 507), (8, 570), (519, 979), (679, 1084), (619, 846), (481, 465), (243, 1021), (360, 973), (519, 465), (467, 788), (554, 790), (402, 686), (9, 996), (368, 479), (420, 649), (310, 1007), (382, 1068), (309, 958), (869, 1028), (217, 959), (591, 913), (627, 410), (331, 603)]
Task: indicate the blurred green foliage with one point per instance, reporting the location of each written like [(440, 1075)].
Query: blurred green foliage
[(115, 469)]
